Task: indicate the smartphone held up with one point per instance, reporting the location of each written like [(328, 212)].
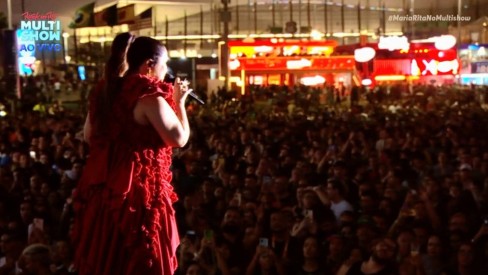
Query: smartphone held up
[(263, 242)]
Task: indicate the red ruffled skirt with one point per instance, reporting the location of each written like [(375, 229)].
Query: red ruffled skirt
[(124, 220)]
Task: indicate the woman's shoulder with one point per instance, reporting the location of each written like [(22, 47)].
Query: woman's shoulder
[(138, 86), (146, 85)]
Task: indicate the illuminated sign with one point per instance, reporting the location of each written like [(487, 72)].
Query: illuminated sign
[(263, 49), (434, 67), (43, 29), (320, 50), (366, 82), (389, 77), (392, 43), (234, 64), (364, 54), (392, 66), (316, 63), (256, 80), (414, 68), (280, 47), (26, 59), (37, 32), (312, 80), (430, 67), (289, 50), (444, 42), (298, 64), (446, 66)]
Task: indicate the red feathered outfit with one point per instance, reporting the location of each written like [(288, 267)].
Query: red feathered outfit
[(124, 219)]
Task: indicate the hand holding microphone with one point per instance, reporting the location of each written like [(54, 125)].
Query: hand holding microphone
[(185, 83), (182, 86)]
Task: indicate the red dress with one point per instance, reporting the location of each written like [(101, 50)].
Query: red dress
[(124, 219)]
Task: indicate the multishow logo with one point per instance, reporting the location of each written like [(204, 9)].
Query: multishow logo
[(39, 32)]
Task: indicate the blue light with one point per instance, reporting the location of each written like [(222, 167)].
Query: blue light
[(473, 47), (26, 53), (81, 73)]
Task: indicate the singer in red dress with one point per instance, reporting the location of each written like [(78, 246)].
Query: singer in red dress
[(124, 219)]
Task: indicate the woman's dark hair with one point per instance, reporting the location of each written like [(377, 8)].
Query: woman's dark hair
[(114, 69), (116, 64), (144, 48)]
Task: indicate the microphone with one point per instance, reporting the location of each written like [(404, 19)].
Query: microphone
[(170, 78), (194, 96)]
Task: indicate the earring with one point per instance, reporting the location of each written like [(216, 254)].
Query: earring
[(149, 72)]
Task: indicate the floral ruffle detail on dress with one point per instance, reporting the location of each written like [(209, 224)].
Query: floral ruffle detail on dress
[(153, 177)]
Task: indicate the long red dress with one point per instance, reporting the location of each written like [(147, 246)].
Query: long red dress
[(124, 219)]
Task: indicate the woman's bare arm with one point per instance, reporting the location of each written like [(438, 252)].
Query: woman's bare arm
[(172, 127)]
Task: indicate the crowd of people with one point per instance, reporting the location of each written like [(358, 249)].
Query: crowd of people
[(290, 185)]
